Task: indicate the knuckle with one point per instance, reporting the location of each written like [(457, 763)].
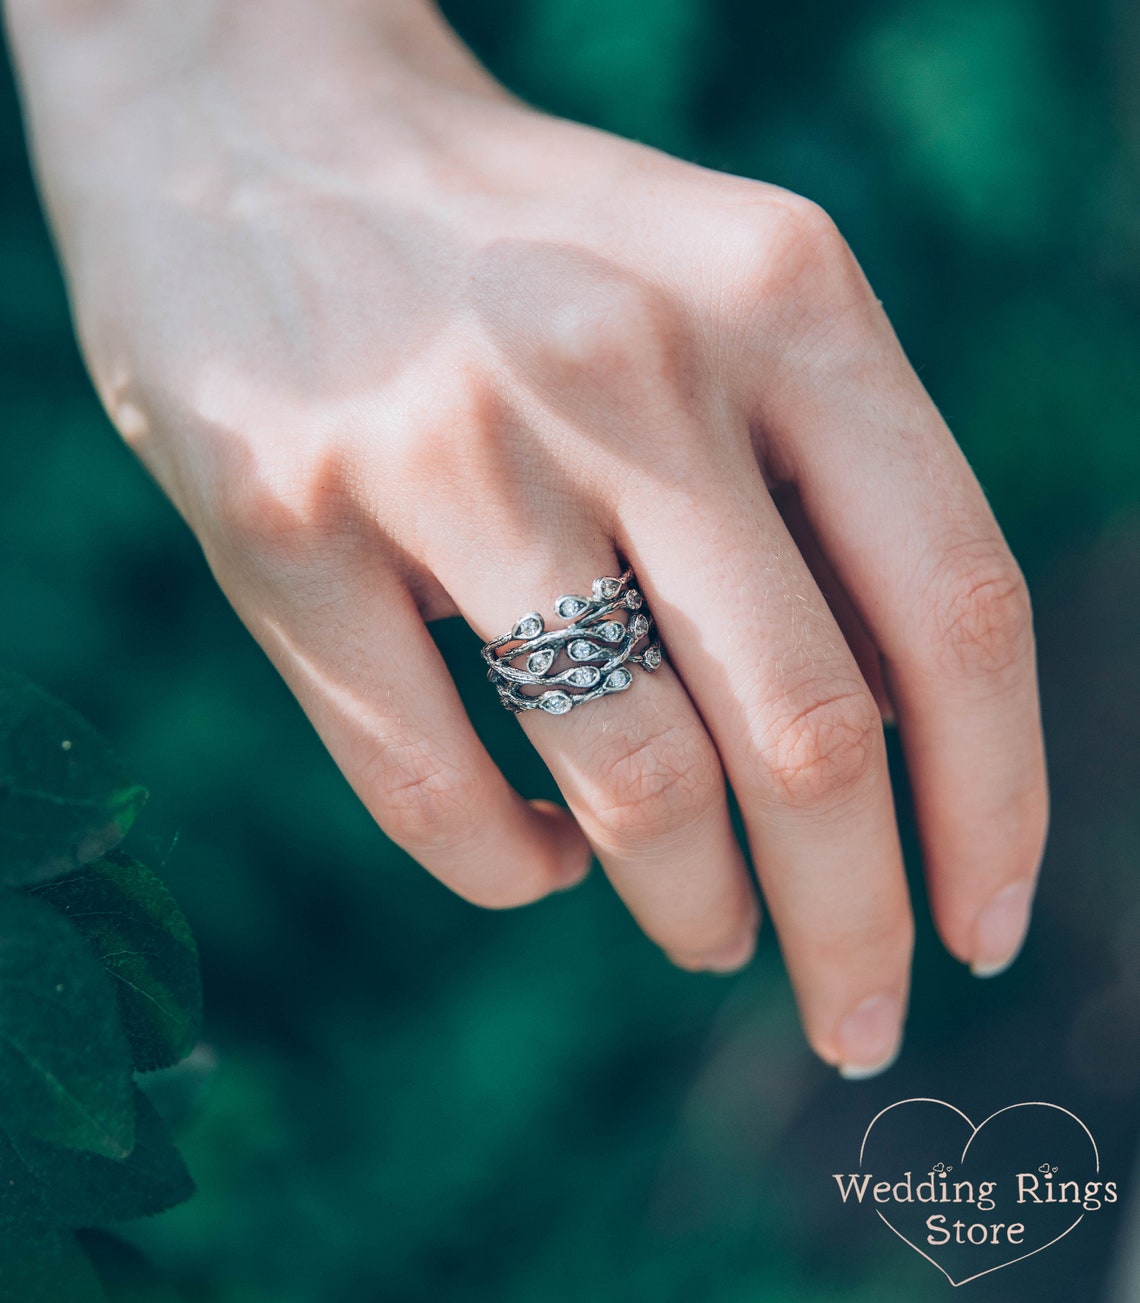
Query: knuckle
[(799, 274), (558, 310), (280, 518), (262, 519), (458, 439), (979, 616), (431, 810), (804, 249), (885, 931), (655, 788), (622, 323), (823, 755), (418, 800), (592, 335), (809, 227), (617, 342)]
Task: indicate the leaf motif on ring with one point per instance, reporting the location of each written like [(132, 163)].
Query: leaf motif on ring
[(529, 626), (570, 606), (581, 649), (540, 661), (555, 703), (582, 676)]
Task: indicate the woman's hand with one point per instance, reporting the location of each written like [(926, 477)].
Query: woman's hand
[(398, 346)]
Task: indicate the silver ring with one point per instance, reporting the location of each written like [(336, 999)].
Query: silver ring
[(588, 658)]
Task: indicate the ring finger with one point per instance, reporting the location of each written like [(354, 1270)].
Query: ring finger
[(637, 769)]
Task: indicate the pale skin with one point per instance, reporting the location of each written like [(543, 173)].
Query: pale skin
[(399, 347)]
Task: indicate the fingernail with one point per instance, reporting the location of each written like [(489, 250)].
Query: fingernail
[(576, 864), (576, 855), (576, 873), (725, 959), (1000, 930), (870, 1037)]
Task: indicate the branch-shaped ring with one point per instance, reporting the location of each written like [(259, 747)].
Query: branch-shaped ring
[(590, 657)]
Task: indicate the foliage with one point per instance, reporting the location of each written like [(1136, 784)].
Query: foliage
[(420, 1101), (142, 939), (98, 980), (63, 799)]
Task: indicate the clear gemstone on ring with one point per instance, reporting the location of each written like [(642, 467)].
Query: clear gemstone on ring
[(584, 676), (598, 649), (540, 661), (570, 606), (530, 626)]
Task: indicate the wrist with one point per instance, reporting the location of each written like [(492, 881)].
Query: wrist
[(112, 50), (122, 93)]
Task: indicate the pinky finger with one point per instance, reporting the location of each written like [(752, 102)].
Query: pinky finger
[(383, 702)]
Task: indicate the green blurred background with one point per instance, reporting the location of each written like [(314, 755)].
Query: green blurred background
[(415, 1100)]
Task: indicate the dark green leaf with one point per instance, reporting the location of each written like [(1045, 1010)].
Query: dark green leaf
[(177, 1091), (23, 1210), (50, 1268), (65, 1066), (64, 798), (127, 1276), (83, 1189), (140, 935)]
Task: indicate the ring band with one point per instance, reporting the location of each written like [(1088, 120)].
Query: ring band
[(588, 658)]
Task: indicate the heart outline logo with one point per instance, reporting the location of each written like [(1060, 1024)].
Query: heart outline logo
[(974, 1130)]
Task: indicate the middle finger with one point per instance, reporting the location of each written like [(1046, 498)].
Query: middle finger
[(801, 739)]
